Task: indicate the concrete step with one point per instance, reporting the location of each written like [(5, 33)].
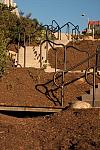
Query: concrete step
[(49, 69), (97, 91), (89, 96)]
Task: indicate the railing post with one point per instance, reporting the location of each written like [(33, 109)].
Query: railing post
[(98, 57), (64, 58), (55, 61), (60, 35), (62, 90), (24, 48), (94, 84), (68, 32)]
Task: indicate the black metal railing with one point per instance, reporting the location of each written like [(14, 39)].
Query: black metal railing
[(57, 29), (74, 31), (65, 49), (51, 29), (50, 92)]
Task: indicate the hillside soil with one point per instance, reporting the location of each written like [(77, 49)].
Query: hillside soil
[(71, 129)]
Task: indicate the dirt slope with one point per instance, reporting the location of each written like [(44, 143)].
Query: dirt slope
[(17, 88), (68, 130)]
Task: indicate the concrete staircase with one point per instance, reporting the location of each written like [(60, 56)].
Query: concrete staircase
[(29, 56), (89, 96)]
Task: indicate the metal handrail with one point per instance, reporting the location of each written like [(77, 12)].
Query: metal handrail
[(58, 28), (97, 56), (48, 92), (52, 46), (51, 43), (54, 29), (76, 28), (75, 66)]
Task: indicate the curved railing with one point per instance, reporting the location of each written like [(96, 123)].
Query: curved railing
[(51, 43), (58, 29), (50, 93), (51, 29), (65, 48)]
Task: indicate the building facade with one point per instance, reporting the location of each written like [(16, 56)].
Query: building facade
[(94, 24), (11, 3), (95, 27), (7, 2)]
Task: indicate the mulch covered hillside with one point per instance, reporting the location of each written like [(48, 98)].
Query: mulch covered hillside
[(17, 88), (67, 130), (74, 56), (71, 129)]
